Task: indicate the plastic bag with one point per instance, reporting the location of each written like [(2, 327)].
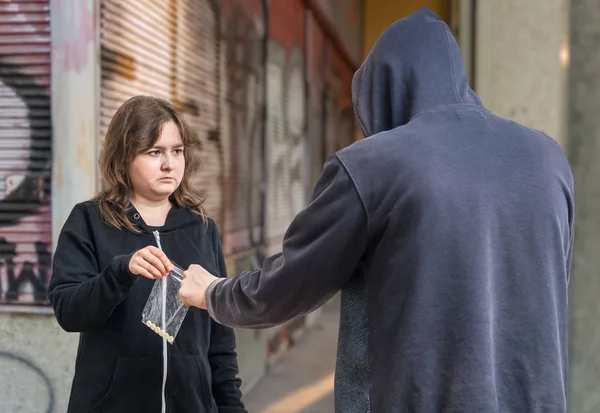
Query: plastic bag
[(164, 311)]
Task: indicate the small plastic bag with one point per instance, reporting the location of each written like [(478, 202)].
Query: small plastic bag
[(164, 311)]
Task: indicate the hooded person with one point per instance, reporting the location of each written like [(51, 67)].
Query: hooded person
[(113, 259), (449, 232)]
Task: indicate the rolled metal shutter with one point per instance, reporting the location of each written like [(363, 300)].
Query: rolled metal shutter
[(286, 119), (167, 49), (25, 152), (242, 83), (316, 69), (340, 112)]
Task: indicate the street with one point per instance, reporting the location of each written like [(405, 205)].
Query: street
[(302, 380)]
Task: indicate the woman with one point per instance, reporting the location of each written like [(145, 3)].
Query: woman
[(110, 251)]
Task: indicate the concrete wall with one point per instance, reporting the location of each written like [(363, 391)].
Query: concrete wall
[(36, 356), (520, 47), (584, 156), (37, 361)]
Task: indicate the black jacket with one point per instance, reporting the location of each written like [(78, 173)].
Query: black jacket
[(449, 231), (119, 365)]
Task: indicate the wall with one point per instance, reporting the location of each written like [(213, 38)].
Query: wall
[(286, 97), (36, 360), (584, 155), (32, 378), (346, 16), (25, 152), (518, 70)]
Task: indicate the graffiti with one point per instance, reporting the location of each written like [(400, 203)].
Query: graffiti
[(35, 378), (286, 101), (243, 123), (17, 283), (75, 17), (25, 143), (26, 176)]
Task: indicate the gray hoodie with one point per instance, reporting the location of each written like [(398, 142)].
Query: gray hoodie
[(449, 231)]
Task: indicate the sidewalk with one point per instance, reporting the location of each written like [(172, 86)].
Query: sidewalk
[(302, 380)]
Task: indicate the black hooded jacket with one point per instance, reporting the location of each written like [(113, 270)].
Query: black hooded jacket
[(122, 365)]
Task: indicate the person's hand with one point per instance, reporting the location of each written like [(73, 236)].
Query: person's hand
[(150, 262), (194, 285)]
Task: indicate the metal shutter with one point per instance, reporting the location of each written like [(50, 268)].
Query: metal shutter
[(242, 122), (25, 152), (317, 63), (340, 112), (286, 108), (167, 49)]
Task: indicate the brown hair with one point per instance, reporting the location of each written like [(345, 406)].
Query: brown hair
[(135, 127)]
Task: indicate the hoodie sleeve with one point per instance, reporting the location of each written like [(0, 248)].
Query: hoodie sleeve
[(321, 250), (222, 356), (83, 297)]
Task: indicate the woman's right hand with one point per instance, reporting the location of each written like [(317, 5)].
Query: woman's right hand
[(150, 262)]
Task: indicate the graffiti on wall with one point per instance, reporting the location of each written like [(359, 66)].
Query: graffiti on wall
[(25, 153), (75, 35), (286, 137), (31, 377)]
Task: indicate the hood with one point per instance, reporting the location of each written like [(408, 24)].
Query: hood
[(415, 66), (177, 217)]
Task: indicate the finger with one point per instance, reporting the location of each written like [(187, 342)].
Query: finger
[(144, 273), (149, 266), (156, 263), (162, 257)]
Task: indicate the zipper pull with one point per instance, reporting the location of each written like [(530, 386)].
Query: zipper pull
[(157, 238)]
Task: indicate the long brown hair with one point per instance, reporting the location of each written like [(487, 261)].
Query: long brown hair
[(135, 128)]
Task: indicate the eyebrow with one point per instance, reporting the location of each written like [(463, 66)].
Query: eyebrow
[(163, 147)]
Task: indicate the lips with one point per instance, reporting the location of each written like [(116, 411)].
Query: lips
[(167, 179)]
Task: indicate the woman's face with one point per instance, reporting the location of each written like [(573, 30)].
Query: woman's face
[(156, 173)]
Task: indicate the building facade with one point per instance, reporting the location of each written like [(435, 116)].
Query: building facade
[(265, 87)]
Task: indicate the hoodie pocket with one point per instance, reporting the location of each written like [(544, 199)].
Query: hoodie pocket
[(189, 385), (135, 387)]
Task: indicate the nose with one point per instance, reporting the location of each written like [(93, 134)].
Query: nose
[(168, 162)]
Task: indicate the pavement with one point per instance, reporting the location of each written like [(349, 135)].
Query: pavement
[(301, 380)]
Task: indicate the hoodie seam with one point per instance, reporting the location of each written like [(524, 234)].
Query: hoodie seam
[(360, 197), (443, 107), (451, 63)]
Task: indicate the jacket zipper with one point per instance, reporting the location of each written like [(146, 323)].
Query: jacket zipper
[(163, 282)]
